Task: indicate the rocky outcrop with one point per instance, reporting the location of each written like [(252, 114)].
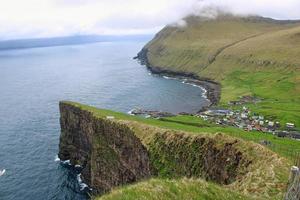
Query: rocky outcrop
[(109, 153), (181, 155)]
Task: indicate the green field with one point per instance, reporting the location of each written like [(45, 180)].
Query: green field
[(248, 56)]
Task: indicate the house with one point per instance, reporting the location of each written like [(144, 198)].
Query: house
[(249, 128), (295, 135), (271, 124), (244, 116), (282, 133), (290, 125), (261, 118)]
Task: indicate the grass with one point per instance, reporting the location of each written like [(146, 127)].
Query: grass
[(283, 146), (165, 189), (266, 177), (281, 101), (248, 57)]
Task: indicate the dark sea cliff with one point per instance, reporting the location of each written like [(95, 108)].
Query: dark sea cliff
[(33, 81)]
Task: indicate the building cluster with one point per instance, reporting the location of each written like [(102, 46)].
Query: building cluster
[(150, 113), (245, 100), (248, 121)]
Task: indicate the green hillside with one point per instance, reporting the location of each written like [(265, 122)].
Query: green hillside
[(264, 178), (163, 189), (247, 55)]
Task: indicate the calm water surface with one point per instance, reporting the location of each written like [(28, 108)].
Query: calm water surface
[(33, 81)]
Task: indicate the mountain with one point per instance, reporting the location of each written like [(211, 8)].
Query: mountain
[(247, 55), (67, 40)]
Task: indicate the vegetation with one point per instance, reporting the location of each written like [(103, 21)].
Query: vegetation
[(248, 56), (283, 146), (165, 189), (267, 176)]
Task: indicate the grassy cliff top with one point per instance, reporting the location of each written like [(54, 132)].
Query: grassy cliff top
[(194, 125), (265, 177), (247, 55), (164, 189)]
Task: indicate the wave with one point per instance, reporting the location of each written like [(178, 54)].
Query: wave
[(56, 159), (2, 172), (65, 162), (130, 112), (82, 185)]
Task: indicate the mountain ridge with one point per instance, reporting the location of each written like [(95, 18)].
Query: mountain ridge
[(247, 55)]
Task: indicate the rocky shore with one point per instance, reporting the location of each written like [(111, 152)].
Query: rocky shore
[(213, 88)]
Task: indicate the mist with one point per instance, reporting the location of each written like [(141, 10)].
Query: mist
[(49, 18)]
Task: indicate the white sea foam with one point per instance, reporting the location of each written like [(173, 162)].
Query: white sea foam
[(130, 112), (170, 77), (204, 94), (2, 172), (78, 166), (81, 183), (56, 159), (66, 162)]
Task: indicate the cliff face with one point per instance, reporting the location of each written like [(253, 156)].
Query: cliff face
[(119, 151), (109, 153)]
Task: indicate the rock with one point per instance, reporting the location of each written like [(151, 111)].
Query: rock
[(110, 154), (117, 152)]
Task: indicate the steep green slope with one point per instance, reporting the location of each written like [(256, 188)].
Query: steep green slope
[(248, 56), (163, 189), (124, 149)]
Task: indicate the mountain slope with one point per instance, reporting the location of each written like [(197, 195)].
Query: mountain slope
[(247, 55)]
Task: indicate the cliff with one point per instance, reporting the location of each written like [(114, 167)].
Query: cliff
[(109, 152), (126, 149)]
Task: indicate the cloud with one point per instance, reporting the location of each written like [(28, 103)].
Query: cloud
[(44, 18)]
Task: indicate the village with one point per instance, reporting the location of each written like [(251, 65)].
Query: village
[(248, 121), (242, 118)]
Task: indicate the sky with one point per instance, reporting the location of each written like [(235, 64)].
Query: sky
[(50, 18)]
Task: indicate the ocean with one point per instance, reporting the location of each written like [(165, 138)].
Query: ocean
[(33, 81)]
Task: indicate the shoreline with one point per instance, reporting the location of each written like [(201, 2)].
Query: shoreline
[(213, 89)]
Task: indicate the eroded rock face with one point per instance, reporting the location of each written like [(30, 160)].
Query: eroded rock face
[(182, 155), (116, 152), (110, 154)]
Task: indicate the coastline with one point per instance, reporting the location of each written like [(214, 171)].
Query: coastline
[(213, 89)]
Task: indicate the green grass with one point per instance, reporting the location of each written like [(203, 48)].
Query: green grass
[(281, 101), (182, 189), (283, 146), (176, 153), (252, 57)]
